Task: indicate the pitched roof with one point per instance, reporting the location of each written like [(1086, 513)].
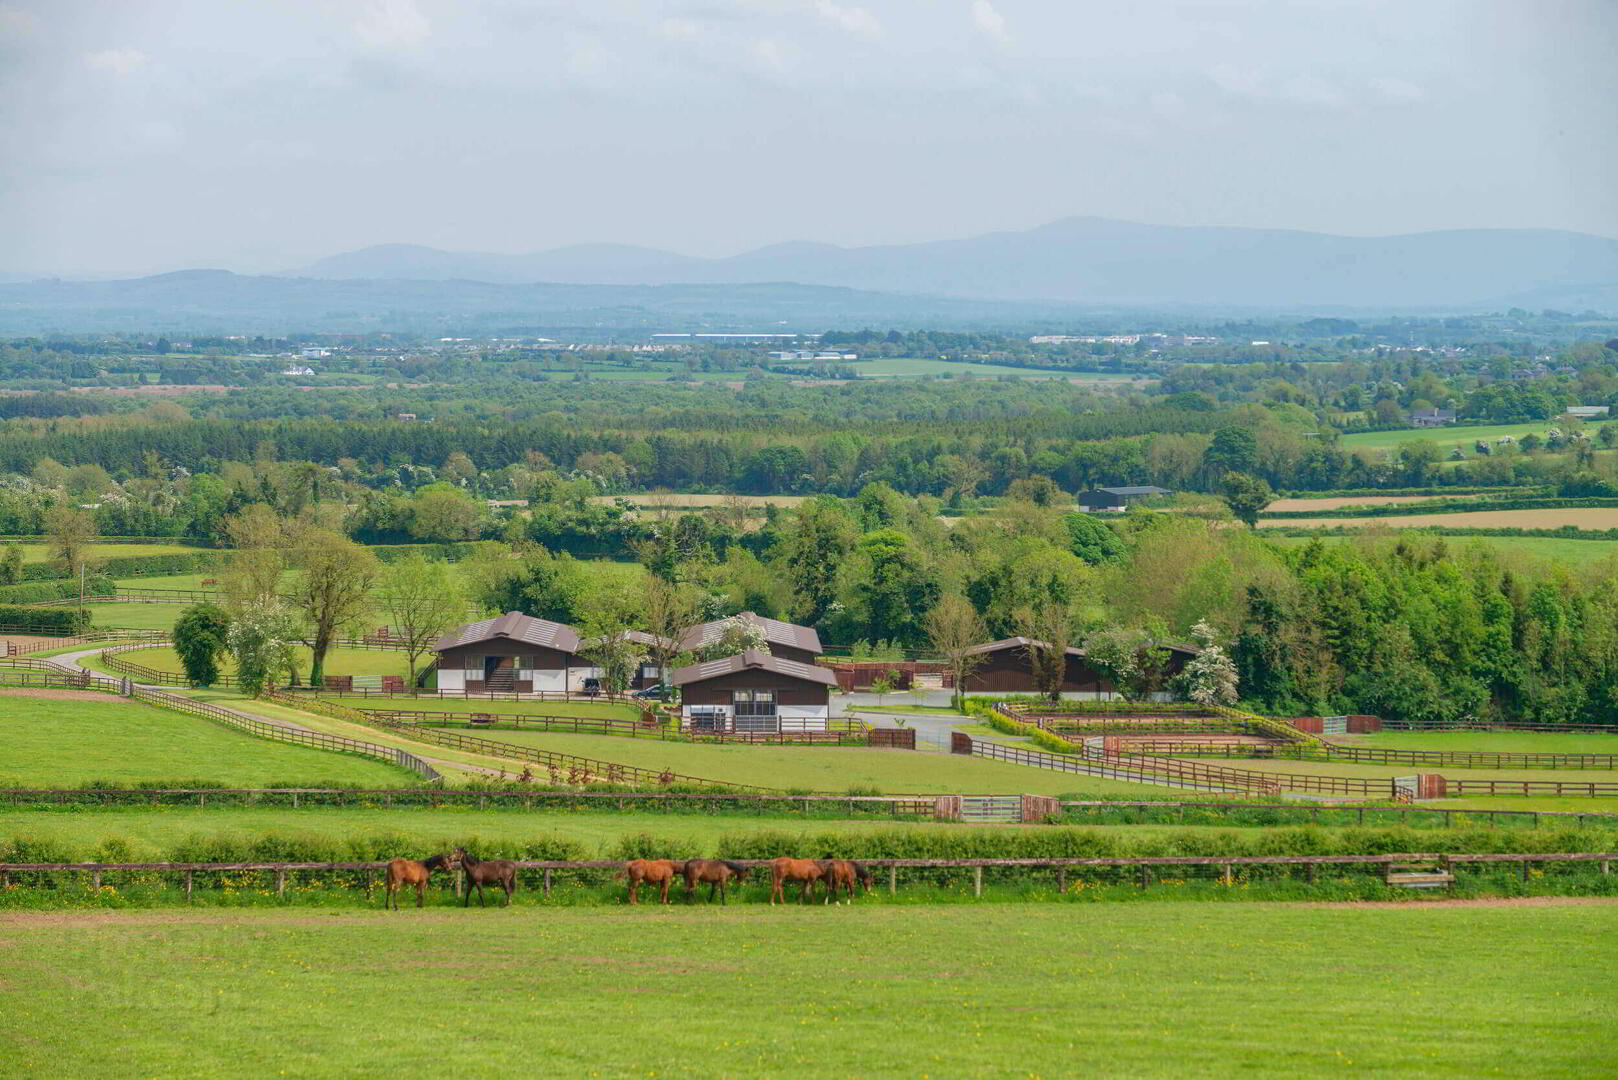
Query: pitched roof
[(780, 633), (752, 658), (1072, 650), (639, 637), (513, 626), (1146, 489)]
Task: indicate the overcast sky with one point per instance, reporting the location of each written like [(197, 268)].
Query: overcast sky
[(141, 135)]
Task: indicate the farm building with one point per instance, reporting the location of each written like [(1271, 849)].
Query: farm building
[(1118, 498), (754, 692), (1007, 668), (514, 652), (647, 673), (785, 640)]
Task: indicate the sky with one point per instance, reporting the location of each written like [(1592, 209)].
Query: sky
[(258, 135)]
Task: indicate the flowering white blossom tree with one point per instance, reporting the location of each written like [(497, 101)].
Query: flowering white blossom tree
[(1210, 677)]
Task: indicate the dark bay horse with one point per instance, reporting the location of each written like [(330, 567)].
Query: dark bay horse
[(805, 871), (716, 872), (660, 872), (839, 874), (411, 872), (481, 872)]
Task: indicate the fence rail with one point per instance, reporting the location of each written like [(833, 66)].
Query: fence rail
[(580, 870), (575, 769), (849, 733), (1369, 755)]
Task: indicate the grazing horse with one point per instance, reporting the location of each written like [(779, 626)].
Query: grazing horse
[(481, 872), (839, 874), (411, 872), (806, 871), (660, 872), (716, 872)]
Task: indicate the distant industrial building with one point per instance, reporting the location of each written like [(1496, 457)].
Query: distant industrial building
[(1117, 499)]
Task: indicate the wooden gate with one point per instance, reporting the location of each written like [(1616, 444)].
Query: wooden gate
[(1040, 808)]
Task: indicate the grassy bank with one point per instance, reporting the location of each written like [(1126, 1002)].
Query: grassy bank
[(1205, 990)]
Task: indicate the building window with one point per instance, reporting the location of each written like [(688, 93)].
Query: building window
[(707, 717), (754, 710)]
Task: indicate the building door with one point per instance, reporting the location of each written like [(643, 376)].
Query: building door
[(755, 711)]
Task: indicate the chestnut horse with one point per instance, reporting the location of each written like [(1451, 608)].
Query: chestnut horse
[(839, 874), (660, 872), (806, 871), (411, 872), (481, 872), (716, 872)]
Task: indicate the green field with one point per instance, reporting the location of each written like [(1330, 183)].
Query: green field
[(1555, 549), (1493, 742), (339, 661), (38, 553), (1447, 437), (813, 768), (135, 614), (911, 365), (944, 990), (65, 743), (497, 708)]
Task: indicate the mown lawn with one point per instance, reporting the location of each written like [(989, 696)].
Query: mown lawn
[(829, 768), (461, 705), (1494, 742), (942, 990), (136, 615), (38, 553), (427, 829), (339, 661), (64, 743)]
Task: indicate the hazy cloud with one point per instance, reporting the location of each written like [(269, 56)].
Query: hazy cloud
[(389, 24), (856, 20), (304, 127), (117, 61), (988, 20)]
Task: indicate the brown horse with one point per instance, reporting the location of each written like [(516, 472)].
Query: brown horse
[(839, 874), (660, 872), (716, 872), (806, 871), (411, 872), (481, 872)]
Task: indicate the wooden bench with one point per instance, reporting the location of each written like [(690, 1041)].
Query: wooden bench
[(1419, 875)]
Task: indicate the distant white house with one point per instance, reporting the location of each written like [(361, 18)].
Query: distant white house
[(1587, 412), (299, 370)]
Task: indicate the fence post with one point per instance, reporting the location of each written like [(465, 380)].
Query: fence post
[(95, 880), (1061, 880), (893, 880), (1525, 861), (977, 881), (1145, 876), (188, 875), (1227, 874), (280, 882)]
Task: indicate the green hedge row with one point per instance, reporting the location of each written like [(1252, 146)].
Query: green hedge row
[(939, 843), (1565, 532), (39, 592), (123, 566), (58, 620), (449, 552)]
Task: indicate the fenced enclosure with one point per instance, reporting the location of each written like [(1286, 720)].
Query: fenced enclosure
[(1058, 876)]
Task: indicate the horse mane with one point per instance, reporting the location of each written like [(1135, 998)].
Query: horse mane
[(735, 867), (434, 862)]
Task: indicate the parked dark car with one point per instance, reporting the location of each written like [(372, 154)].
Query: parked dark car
[(592, 687), (659, 692)]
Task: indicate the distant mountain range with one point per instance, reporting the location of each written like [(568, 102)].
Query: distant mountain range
[(1057, 275), (1093, 261), (218, 301)]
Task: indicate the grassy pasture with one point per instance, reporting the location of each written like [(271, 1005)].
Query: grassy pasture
[(828, 768), (339, 661), (1447, 437), (64, 742), (1493, 742), (1579, 517), (39, 553), (136, 614), (1340, 501), (941, 990), (1568, 552)]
